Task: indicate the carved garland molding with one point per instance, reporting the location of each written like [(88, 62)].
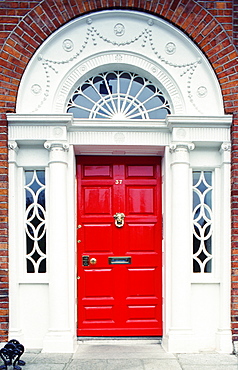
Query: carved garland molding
[(111, 59), (143, 38)]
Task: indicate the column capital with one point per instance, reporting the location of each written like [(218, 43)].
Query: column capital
[(57, 151), (57, 145), (225, 147), (178, 146), (13, 150), (225, 151), (12, 145)]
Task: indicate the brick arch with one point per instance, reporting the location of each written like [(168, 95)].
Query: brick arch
[(45, 18)]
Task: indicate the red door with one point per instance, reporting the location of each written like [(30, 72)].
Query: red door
[(119, 259)]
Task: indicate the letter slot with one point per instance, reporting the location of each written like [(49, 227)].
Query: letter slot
[(119, 260)]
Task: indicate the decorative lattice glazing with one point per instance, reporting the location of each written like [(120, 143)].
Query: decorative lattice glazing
[(202, 221), (118, 95), (35, 221)]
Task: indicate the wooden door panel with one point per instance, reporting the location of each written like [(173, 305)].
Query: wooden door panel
[(98, 283), (140, 200), (102, 171), (119, 299), (141, 237), (140, 171), (97, 238), (141, 282), (97, 200), (146, 313), (98, 314)]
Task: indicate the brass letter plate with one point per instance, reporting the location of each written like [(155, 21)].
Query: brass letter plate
[(119, 260)]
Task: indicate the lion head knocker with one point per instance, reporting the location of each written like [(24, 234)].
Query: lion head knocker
[(119, 219)]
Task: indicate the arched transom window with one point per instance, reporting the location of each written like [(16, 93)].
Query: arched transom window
[(118, 95)]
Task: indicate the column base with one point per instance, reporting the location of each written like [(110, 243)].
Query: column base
[(185, 341), (224, 341), (59, 342), (179, 341), (16, 334)]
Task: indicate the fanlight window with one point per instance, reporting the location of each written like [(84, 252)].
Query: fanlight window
[(118, 95)]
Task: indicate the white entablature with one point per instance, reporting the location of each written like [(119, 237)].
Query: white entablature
[(120, 40)]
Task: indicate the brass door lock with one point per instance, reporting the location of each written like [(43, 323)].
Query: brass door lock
[(93, 261)]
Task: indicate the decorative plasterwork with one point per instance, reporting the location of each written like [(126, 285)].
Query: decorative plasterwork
[(127, 62), (225, 151), (57, 145), (225, 147), (62, 128), (120, 40), (181, 146), (12, 146), (200, 129), (199, 121), (13, 150)]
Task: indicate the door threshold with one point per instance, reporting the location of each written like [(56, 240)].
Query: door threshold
[(115, 340)]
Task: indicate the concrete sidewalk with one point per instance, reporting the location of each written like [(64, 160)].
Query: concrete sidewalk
[(128, 355)]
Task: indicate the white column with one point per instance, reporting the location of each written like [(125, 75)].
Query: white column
[(224, 337), (15, 330), (59, 337), (179, 334)]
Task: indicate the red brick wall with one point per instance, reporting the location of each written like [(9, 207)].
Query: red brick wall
[(234, 228), (235, 22), (24, 25), (222, 11), (3, 230)]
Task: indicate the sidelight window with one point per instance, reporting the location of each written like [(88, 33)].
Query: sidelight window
[(35, 221), (202, 222)]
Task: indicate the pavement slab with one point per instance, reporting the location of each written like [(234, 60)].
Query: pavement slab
[(86, 365), (162, 364), (208, 361), (52, 358), (126, 355), (130, 364), (210, 367), (31, 366)]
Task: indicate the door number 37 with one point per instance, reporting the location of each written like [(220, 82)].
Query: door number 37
[(118, 182)]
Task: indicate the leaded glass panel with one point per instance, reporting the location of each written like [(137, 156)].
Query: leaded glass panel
[(35, 221), (202, 221), (118, 95)]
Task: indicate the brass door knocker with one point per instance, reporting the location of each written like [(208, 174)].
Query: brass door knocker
[(119, 219)]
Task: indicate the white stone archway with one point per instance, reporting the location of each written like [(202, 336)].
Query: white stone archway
[(195, 136), (145, 43)]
